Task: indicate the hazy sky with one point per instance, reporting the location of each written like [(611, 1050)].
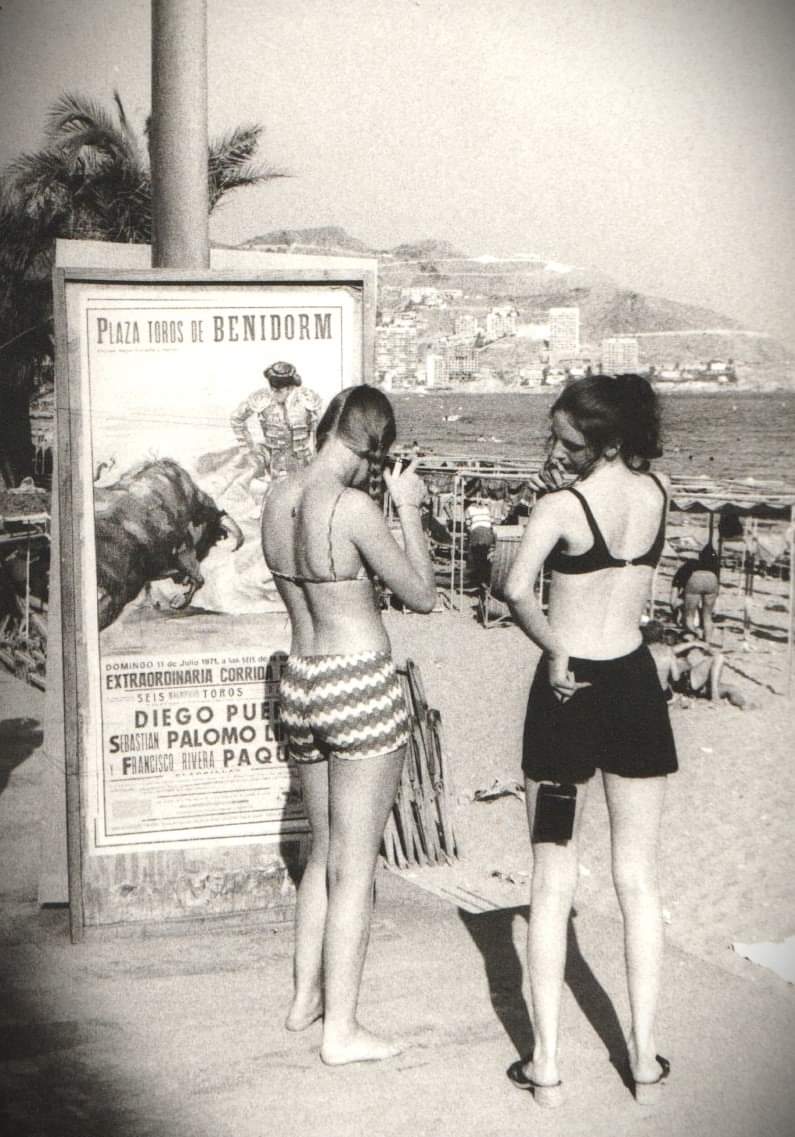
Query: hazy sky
[(650, 138)]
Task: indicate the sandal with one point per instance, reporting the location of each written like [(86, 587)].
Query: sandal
[(549, 1096), (649, 1093)]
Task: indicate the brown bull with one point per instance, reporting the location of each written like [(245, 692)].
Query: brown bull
[(154, 523)]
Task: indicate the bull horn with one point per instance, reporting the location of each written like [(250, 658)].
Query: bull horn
[(232, 529)]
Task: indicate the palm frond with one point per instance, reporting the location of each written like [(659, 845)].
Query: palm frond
[(140, 152), (77, 124), (236, 147), (230, 163), (72, 114)]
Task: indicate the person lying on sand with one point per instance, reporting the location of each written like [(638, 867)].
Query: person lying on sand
[(658, 640), (690, 669), (700, 674)]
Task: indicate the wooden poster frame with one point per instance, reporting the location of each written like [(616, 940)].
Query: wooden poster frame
[(139, 887)]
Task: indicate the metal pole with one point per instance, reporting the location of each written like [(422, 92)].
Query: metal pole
[(791, 598), (27, 591), (180, 200)]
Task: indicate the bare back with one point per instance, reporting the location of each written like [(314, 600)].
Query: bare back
[(597, 614), (306, 535)]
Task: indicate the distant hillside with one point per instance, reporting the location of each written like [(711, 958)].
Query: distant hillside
[(329, 240), (424, 251), (627, 312), (668, 329)]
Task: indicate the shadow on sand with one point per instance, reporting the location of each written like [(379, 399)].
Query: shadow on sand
[(492, 933)]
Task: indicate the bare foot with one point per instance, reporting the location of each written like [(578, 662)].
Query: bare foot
[(302, 1014), (359, 1046)]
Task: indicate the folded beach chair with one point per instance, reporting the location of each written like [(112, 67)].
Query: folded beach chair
[(493, 609)]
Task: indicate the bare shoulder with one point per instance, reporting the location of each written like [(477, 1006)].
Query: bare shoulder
[(559, 505), (357, 506)]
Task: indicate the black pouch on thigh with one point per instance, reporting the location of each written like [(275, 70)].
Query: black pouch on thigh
[(553, 820)]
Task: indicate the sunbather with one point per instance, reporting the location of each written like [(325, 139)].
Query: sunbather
[(698, 672)]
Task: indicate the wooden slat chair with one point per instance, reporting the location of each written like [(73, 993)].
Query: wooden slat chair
[(493, 609)]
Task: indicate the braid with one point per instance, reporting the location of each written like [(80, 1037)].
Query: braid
[(363, 419), (375, 459)]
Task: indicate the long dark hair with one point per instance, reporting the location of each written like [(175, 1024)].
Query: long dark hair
[(362, 417), (620, 410)]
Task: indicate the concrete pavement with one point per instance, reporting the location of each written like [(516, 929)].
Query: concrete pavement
[(163, 1036)]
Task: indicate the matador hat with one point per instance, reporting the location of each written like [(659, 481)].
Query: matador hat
[(282, 374)]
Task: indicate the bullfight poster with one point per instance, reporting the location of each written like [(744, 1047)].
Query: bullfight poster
[(180, 402)]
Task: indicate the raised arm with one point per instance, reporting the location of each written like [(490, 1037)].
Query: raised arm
[(407, 572)]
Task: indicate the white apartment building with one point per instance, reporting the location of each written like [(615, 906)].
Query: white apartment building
[(396, 350), (466, 325), (436, 369), (564, 333), (501, 322), (461, 362), (619, 355)]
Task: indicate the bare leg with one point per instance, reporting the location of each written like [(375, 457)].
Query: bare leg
[(715, 672), (691, 610), (552, 892), (311, 904), (707, 609), (635, 808), (361, 794)]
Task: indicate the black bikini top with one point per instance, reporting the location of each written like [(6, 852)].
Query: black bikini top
[(297, 578), (599, 556)]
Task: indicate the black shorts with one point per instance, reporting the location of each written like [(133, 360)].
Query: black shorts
[(619, 724)]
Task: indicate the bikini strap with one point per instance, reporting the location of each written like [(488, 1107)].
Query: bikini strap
[(330, 527), (589, 517), (659, 485)]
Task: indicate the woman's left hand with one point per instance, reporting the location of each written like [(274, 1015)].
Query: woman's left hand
[(405, 486)]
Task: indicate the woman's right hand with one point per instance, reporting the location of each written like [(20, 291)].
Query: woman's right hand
[(405, 486), (561, 679), (553, 475)]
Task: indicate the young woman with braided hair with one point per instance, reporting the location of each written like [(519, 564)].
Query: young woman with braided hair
[(595, 701), (325, 538)]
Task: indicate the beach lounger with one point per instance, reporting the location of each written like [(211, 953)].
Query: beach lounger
[(493, 609)]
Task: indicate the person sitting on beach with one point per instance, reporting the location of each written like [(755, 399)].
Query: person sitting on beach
[(325, 538), (481, 538), (697, 583), (595, 702)]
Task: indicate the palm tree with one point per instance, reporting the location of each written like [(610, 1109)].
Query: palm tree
[(91, 180)]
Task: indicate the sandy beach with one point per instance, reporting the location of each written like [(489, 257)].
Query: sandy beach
[(181, 1036), (726, 865)]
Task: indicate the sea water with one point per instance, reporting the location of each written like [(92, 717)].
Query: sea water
[(723, 434)]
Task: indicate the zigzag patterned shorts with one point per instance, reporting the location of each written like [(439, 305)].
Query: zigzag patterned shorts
[(351, 705)]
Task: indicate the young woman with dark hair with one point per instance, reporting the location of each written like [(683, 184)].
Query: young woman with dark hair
[(325, 538), (595, 701)]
